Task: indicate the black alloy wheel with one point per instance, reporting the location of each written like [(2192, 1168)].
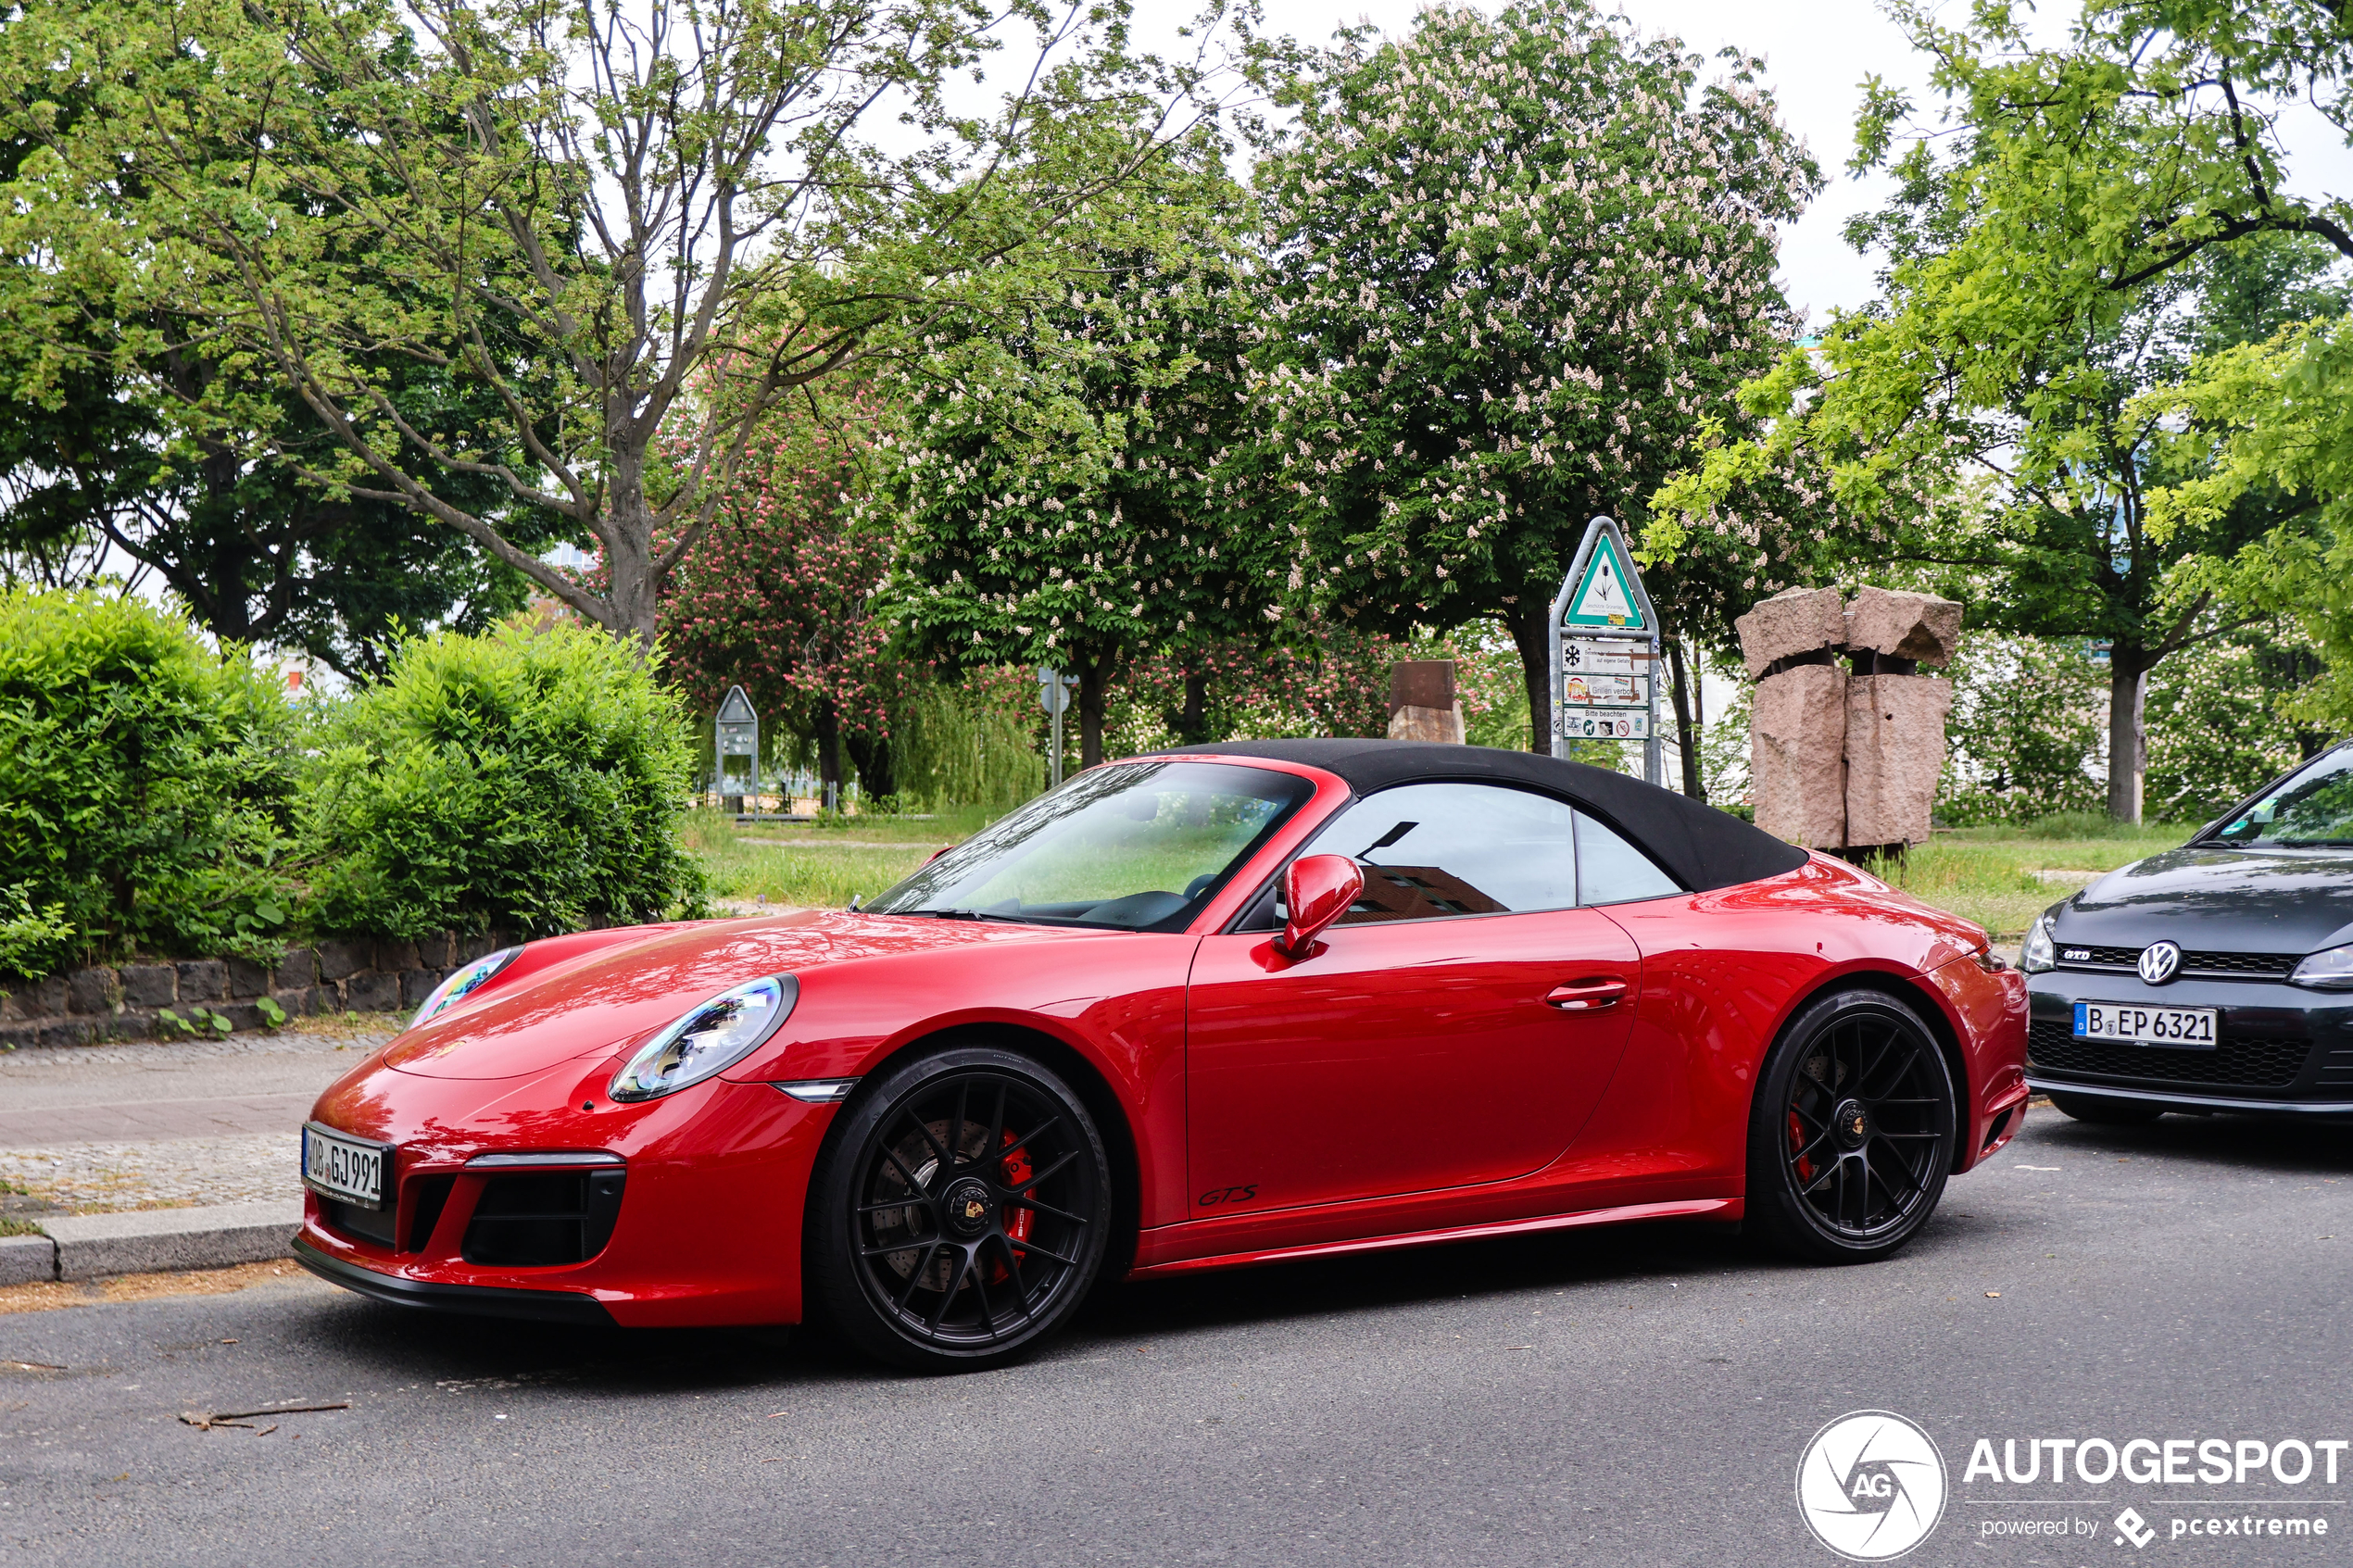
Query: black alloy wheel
[(1852, 1131), (2103, 1111), (958, 1211)]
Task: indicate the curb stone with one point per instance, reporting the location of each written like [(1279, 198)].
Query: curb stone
[(27, 1260), (151, 1240)]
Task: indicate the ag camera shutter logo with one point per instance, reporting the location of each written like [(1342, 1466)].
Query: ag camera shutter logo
[(1871, 1485)]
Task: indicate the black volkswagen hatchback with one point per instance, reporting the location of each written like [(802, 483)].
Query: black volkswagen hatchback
[(2217, 976)]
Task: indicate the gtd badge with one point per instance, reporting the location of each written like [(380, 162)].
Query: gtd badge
[(1871, 1485), (2158, 960)]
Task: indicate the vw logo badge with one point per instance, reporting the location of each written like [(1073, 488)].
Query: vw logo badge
[(2159, 960)]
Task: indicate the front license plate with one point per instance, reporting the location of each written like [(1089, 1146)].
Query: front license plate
[(347, 1168), (2181, 1029)]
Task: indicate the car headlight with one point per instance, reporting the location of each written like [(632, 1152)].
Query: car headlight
[(710, 1039), (463, 981), (2331, 968), (2039, 951)]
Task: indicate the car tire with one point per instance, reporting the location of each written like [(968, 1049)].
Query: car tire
[(1852, 1130), (958, 1211), (2102, 1111)]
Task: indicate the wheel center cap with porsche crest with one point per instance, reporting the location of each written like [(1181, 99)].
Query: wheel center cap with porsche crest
[(966, 1207), (1853, 1123), (2159, 960)]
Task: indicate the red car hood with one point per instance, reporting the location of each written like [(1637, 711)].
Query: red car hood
[(618, 994)]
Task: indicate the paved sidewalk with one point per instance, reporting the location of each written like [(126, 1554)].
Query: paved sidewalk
[(95, 1128)]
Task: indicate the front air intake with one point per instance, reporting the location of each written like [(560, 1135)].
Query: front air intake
[(544, 1218)]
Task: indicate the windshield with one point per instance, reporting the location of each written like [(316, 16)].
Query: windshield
[(2315, 806), (1136, 845)]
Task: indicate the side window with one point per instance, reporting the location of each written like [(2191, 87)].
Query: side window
[(1435, 850), (1610, 870)]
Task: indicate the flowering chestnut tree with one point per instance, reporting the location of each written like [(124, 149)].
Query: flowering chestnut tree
[(1056, 479), (1519, 264)]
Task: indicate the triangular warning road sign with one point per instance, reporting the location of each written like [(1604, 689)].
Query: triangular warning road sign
[(736, 708), (1606, 595)]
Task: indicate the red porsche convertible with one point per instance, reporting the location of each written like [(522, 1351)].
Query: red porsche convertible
[(1212, 1006)]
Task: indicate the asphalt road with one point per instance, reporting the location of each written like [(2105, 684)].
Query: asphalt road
[(1633, 1397)]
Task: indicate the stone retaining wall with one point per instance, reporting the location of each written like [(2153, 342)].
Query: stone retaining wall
[(87, 1006)]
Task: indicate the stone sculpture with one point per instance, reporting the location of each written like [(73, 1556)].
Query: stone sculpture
[(1847, 757)]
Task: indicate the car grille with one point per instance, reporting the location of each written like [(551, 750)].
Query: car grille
[(2236, 1060), (551, 1217), (2194, 966)]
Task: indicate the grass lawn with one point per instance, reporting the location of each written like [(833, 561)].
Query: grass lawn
[(1988, 874), (814, 867)]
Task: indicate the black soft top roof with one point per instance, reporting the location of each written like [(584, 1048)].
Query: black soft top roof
[(1700, 847)]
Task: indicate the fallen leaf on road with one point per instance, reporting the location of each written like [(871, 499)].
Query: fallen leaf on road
[(1993, 1293)]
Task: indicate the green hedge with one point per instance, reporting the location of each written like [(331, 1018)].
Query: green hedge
[(531, 782), (158, 796), (146, 787)]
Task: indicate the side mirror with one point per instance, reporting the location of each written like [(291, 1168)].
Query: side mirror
[(1317, 890)]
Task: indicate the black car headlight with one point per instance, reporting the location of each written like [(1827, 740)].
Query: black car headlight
[(2039, 951), (2331, 968), (462, 982), (711, 1038)]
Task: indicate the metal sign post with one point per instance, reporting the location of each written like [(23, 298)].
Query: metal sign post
[(735, 733), (1605, 651), (1054, 694)]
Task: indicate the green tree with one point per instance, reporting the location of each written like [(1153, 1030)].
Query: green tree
[(614, 224), (92, 470), (1058, 479), (2102, 210), (1515, 262)]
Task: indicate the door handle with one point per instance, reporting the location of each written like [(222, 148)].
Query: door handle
[(1587, 996)]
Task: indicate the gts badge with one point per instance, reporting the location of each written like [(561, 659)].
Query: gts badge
[(1226, 1196)]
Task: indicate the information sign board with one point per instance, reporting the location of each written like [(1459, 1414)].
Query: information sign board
[(1606, 649)]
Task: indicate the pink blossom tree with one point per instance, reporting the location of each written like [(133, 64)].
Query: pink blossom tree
[(777, 595)]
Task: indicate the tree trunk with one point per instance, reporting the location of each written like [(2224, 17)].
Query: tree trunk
[(1094, 682), (1190, 724), (876, 776), (829, 751), (2128, 679), (631, 597), (1687, 732), (1530, 623)]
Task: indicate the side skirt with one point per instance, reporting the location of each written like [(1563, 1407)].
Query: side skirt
[(1686, 1209)]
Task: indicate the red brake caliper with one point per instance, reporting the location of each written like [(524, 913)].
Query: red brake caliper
[(1018, 1172), (1797, 1142)]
